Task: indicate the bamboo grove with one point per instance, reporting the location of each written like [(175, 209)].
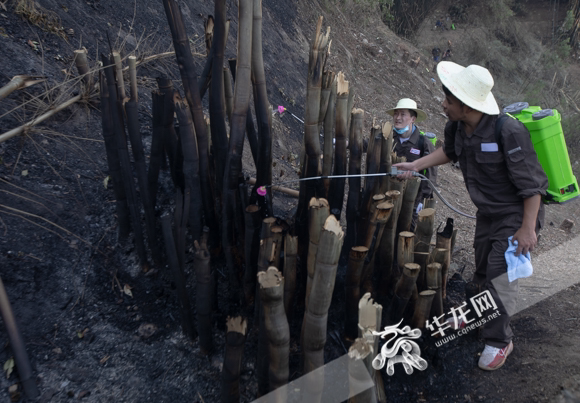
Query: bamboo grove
[(279, 272)]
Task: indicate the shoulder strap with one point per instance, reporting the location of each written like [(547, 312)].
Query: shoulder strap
[(498, 125), (420, 144)]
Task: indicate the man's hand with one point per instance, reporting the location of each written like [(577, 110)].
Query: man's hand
[(527, 240)]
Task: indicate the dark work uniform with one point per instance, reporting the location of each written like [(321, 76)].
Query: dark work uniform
[(409, 150), (498, 179)]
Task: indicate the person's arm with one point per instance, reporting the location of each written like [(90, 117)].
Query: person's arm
[(438, 157), (526, 235)]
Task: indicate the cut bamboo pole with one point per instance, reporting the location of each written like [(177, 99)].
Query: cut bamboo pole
[(370, 315), (386, 149), (318, 212), (235, 339), (190, 163), (316, 316), (119, 75), (359, 351), (233, 163), (184, 304), (354, 269), (290, 254), (113, 161), (328, 150), (253, 220), (17, 345), (443, 241), (434, 283), (354, 168), (19, 82), (408, 206), (191, 89), (204, 294), (276, 325), (125, 163), (336, 191), (422, 309), (404, 291)]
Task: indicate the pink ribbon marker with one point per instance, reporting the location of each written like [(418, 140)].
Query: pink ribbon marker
[(261, 191), (281, 109)]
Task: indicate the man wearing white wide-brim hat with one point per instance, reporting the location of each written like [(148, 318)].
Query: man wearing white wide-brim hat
[(505, 182), (410, 143)]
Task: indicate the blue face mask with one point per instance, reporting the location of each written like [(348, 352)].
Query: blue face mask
[(401, 131)]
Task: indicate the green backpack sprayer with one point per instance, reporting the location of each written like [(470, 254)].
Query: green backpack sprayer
[(548, 140)]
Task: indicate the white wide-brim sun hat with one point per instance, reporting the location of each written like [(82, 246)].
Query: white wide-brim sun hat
[(471, 85), (408, 103)]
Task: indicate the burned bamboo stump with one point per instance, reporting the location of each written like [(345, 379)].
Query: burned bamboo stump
[(404, 291), (204, 294), (336, 191), (433, 282), (408, 205), (356, 260), (290, 254), (422, 309), (443, 241), (17, 345), (235, 339), (178, 277), (276, 325), (315, 318), (318, 211)]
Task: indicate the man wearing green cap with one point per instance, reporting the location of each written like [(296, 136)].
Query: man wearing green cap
[(505, 182), (408, 142)]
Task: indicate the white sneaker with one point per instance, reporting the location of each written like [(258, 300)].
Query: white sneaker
[(493, 358)]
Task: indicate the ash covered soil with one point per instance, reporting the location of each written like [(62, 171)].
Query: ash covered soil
[(65, 272)]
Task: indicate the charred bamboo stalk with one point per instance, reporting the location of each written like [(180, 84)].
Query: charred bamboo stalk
[(336, 191), (354, 168), (229, 93), (204, 294), (235, 339), (319, 48), (386, 150), (359, 351), (290, 253), (263, 110), (276, 325), (250, 129), (113, 160), (434, 283), (18, 347), (406, 248), (387, 247), (404, 291), (373, 160), (82, 64), (443, 241), (316, 316), (184, 304), (132, 62), (408, 206), (328, 150), (119, 75), (354, 269), (369, 321), (233, 163), (252, 246), (188, 77), (422, 309), (125, 163), (318, 212), (190, 164)]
